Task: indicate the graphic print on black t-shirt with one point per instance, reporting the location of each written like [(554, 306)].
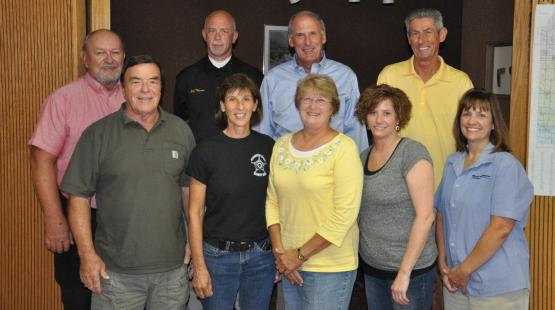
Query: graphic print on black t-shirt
[(260, 165)]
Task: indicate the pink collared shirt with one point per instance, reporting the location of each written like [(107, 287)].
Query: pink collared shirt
[(67, 112)]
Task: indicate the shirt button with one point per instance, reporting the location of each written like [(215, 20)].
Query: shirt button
[(456, 185), (452, 205), (452, 244)]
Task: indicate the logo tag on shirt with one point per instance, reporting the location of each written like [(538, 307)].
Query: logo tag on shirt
[(175, 154), (259, 163), (482, 176), (196, 90)]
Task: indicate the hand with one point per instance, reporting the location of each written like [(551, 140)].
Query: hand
[(277, 277), (92, 268), (444, 275), (295, 278), (280, 267), (202, 283), (399, 288), (284, 262), (447, 282), (290, 262), (459, 277), (56, 234)]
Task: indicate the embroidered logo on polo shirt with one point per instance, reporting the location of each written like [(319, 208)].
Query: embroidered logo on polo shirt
[(175, 154), (482, 176), (196, 90), (260, 164)]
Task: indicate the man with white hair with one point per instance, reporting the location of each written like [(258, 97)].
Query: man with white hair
[(307, 36)]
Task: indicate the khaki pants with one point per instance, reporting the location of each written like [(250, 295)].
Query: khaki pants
[(511, 301), (164, 290)]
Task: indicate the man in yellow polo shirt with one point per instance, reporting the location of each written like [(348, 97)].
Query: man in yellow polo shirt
[(434, 87)]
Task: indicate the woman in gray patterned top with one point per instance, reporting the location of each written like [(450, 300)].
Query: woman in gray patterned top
[(397, 247)]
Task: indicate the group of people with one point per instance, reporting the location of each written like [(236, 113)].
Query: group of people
[(292, 176)]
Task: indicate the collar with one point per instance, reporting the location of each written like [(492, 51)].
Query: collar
[(440, 75), (315, 67), (219, 63), (96, 86), (457, 161), (127, 120), (486, 156), (209, 66)]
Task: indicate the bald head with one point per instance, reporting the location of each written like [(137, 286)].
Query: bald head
[(98, 32), (220, 14), (219, 33), (103, 55)]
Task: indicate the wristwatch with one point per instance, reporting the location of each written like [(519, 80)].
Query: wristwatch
[(300, 255)]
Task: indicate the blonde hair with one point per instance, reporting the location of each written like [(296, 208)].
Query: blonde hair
[(321, 84)]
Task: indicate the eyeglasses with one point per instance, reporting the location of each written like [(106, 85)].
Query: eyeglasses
[(320, 101)]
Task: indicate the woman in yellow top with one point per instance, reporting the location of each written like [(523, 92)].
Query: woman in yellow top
[(313, 201)]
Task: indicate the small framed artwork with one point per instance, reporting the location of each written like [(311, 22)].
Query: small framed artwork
[(499, 68), (276, 47)]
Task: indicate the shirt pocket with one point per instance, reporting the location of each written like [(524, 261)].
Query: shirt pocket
[(285, 100), (173, 158)]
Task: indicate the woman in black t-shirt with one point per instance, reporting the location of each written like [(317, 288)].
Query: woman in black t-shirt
[(230, 247)]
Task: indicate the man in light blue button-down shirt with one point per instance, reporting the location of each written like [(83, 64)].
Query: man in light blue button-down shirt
[(307, 36)]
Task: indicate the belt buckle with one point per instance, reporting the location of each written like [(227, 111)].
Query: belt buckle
[(243, 246), (234, 246)]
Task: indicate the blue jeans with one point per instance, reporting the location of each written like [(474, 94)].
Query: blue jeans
[(162, 290), (320, 291), (419, 293), (249, 273)]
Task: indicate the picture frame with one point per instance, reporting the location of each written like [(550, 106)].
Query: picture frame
[(276, 47), (499, 68)]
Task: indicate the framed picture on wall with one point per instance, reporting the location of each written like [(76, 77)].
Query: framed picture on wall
[(276, 47), (499, 68)]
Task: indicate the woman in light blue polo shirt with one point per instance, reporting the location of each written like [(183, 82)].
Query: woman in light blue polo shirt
[(483, 202)]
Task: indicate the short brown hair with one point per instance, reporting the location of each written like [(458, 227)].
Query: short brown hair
[(373, 95), (483, 100), (231, 83), (321, 84)]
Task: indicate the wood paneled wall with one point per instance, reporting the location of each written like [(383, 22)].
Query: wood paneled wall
[(39, 44), (540, 230), (99, 16)]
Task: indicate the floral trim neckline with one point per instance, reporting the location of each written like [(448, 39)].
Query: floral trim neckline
[(287, 161)]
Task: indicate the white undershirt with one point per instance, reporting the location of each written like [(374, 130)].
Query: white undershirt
[(304, 154), (218, 64)]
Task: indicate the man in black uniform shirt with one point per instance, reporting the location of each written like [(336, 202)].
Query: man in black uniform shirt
[(195, 88)]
